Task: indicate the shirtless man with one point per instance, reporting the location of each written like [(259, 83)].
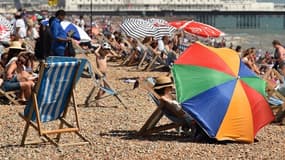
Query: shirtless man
[(279, 51), (102, 53)]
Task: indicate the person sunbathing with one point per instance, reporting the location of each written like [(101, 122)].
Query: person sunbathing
[(16, 78), (164, 88), (249, 60)]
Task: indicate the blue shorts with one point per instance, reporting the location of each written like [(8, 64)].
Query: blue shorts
[(11, 85)]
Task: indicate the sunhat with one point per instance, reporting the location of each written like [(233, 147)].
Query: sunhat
[(16, 45), (162, 82)]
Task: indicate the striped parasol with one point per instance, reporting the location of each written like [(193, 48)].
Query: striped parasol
[(5, 29), (139, 28), (164, 30), (157, 21), (162, 27)]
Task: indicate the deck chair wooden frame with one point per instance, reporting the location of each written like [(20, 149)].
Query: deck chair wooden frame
[(156, 56), (98, 85), (141, 65), (150, 126), (39, 125), (11, 96)]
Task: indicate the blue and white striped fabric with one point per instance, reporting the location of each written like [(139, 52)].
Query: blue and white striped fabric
[(45, 22), (83, 62), (182, 47), (54, 88), (79, 34), (275, 101)]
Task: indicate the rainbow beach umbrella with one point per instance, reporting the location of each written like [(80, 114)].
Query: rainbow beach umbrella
[(224, 97)]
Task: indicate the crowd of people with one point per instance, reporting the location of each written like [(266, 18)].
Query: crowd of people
[(108, 42)]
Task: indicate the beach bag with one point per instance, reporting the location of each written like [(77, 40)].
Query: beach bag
[(69, 50)]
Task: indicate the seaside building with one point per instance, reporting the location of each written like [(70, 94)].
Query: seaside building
[(13, 5), (176, 5)]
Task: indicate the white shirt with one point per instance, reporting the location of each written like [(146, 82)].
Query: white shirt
[(160, 45), (81, 23), (20, 23)]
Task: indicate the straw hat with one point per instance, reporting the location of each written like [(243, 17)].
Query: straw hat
[(162, 82), (16, 45)]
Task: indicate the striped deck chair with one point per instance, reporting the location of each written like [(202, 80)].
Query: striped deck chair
[(107, 88), (83, 63), (99, 80), (157, 62), (182, 47), (11, 96), (50, 100), (150, 125)]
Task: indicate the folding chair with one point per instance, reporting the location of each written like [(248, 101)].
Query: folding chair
[(50, 101), (83, 63), (150, 125), (10, 95), (97, 82), (156, 59), (275, 98), (101, 83)]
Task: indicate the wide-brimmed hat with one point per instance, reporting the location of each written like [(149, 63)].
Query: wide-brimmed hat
[(16, 45), (162, 82)]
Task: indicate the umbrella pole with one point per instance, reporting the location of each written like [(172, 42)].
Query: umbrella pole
[(91, 5)]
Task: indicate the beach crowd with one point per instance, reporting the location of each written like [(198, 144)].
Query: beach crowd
[(34, 41)]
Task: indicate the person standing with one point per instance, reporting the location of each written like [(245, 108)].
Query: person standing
[(20, 26), (279, 53), (59, 36), (81, 22)]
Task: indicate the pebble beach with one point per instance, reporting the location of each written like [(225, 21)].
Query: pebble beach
[(112, 130)]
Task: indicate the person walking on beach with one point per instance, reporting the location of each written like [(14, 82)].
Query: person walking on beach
[(102, 52), (59, 36)]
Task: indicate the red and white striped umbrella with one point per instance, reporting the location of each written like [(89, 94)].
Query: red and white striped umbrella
[(197, 28)]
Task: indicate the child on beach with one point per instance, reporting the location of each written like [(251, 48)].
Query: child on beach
[(102, 53)]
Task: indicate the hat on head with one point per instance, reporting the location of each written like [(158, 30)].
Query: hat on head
[(16, 45), (162, 82), (106, 45)]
